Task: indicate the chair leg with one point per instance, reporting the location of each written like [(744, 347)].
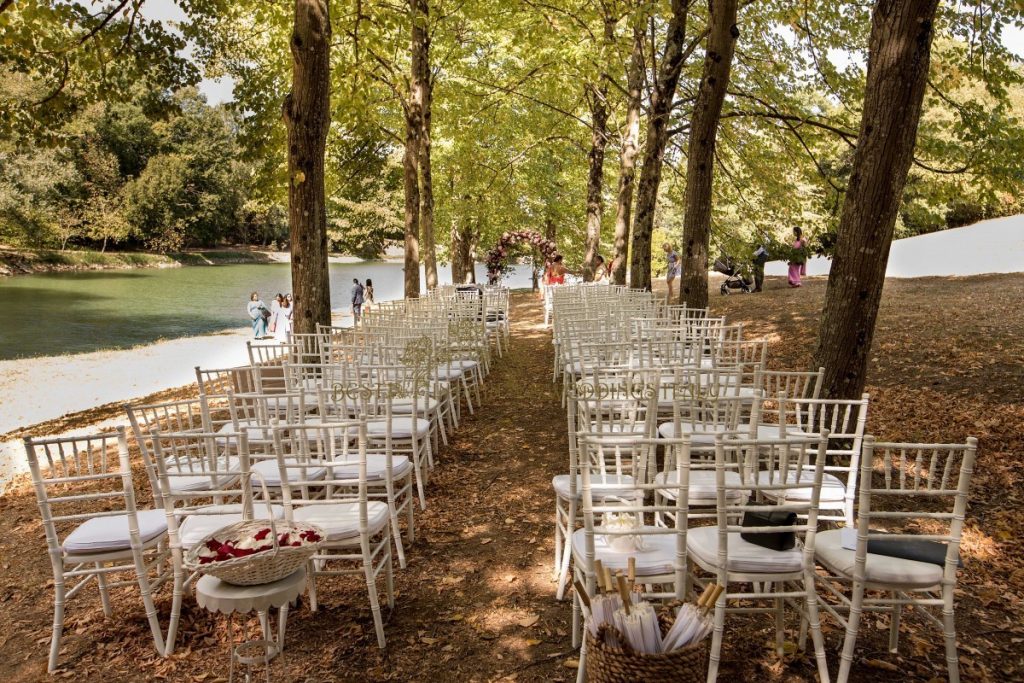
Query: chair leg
[(716, 638), (563, 568), (58, 622), (177, 591), (311, 585), (581, 672), (780, 622), (371, 588), (395, 530), (101, 581), (949, 634), (852, 626), (147, 600), (894, 626), (410, 522), (558, 539), (814, 625)]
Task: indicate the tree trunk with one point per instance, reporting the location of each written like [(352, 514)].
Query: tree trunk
[(413, 109), (411, 182), (662, 93), (421, 62), (700, 156), (307, 116), (598, 96), (456, 249), (901, 35), (627, 157)]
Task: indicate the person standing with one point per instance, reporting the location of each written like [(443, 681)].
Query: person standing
[(760, 258), (601, 274), (556, 276), (674, 269), (798, 261), (258, 312), (357, 300), (368, 299), (283, 320)]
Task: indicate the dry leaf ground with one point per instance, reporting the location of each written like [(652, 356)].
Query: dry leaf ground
[(477, 604)]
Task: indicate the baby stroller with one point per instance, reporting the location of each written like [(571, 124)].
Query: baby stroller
[(735, 278)]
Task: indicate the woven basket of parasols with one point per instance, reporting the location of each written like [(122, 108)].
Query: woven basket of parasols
[(627, 640)]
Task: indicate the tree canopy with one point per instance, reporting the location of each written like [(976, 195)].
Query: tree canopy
[(512, 118)]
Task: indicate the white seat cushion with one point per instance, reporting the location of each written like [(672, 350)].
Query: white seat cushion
[(196, 527), (340, 521), (657, 558), (609, 486), (667, 430), (401, 427), (743, 557), (181, 479), (271, 473), (110, 534), (833, 490), (252, 431), (771, 431), (703, 486), (829, 551), (403, 406), (376, 468)]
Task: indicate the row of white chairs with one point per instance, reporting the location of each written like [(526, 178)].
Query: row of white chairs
[(338, 428), (736, 438)]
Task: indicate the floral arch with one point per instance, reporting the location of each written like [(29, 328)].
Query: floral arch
[(497, 257)]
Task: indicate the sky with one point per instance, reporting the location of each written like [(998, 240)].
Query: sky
[(221, 89)]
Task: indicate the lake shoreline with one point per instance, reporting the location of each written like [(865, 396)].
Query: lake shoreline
[(15, 262)]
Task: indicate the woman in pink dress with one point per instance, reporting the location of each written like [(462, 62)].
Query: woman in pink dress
[(798, 263)]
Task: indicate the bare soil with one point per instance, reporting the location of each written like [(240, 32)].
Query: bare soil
[(477, 602)]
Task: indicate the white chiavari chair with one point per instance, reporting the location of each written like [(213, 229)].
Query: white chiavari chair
[(356, 529), (92, 525), (913, 497), (779, 578)]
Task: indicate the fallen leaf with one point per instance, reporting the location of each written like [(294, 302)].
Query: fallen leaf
[(529, 621)]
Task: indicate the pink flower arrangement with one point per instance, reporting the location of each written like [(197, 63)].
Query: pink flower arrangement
[(220, 550), (496, 257)]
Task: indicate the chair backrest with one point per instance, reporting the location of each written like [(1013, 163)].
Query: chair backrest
[(323, 464), (81, 478), (188, 415), (803, 455), (845, 421), (198, 470), (215, 384), (630, 518), (914, 487)]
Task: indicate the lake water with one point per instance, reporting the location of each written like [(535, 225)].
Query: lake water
[(47, 315)]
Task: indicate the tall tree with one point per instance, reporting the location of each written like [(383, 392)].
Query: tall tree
[(413, 110), (627, 153), (307, 116), (597, 96), (700, 157), (898, 58), (422, 62), (663, 90)]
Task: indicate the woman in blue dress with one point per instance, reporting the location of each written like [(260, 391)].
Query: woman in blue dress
[(255, 310)]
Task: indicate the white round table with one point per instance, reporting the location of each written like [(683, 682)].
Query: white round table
[(215, 595)]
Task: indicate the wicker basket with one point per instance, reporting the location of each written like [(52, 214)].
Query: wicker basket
[(263, 567), (606, 664), (259, 568)]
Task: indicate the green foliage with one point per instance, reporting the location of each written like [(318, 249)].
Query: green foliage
[(125, 178), (511, 126)]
